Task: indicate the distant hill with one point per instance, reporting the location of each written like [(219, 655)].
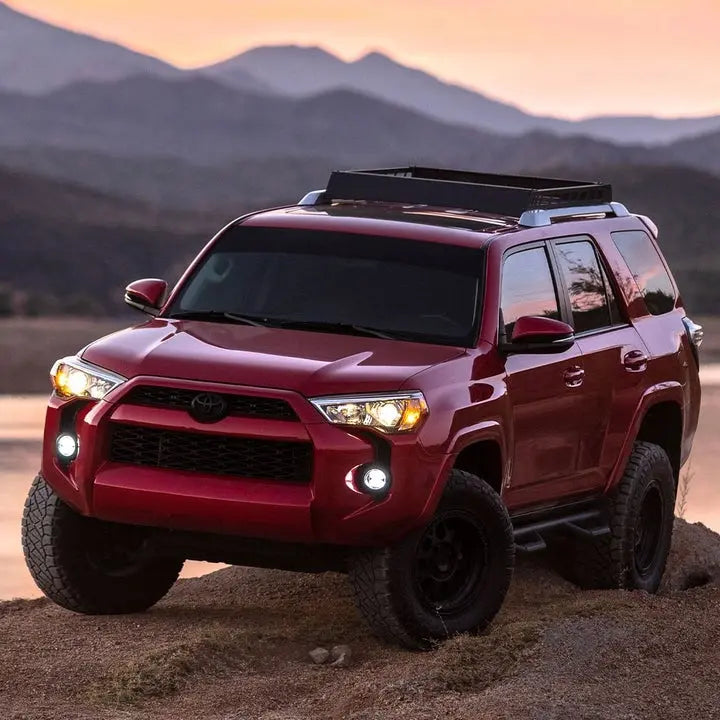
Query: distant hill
[(71, 250), (701, 152), (205, 122), (36, 57), (26, 195), (302, 71), (169, 183)]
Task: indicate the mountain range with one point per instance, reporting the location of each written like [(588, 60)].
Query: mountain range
[(200, 120), (115, 165), (59, 57), (303, 71), (182, 128)]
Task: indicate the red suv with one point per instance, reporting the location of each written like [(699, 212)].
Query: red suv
[(405, 377)]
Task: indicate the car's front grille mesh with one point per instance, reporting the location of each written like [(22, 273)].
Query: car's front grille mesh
[(289, 461), (241, 405)]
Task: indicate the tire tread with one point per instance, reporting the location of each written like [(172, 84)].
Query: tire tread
[(45, 524)]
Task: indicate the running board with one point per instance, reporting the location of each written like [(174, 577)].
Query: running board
[(530, 532)]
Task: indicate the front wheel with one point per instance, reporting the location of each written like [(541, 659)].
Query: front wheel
[(87, 565), (450, 577)]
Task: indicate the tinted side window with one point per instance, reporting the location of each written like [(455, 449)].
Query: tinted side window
[(584, 279), (527, 287), (648, 270)]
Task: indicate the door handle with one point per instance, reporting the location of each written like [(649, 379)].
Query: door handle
[(635, 361), (574, 376)]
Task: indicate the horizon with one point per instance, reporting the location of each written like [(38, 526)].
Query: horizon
[(661, 82)]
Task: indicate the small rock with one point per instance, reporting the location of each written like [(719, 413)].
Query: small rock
[(341, 655), (319, 655)]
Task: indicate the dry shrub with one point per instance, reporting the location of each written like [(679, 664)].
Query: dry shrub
[(475, 662), (684, 490), (163, 672)]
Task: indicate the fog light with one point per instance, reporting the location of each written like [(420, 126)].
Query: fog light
[(67, 446), (374, 480)]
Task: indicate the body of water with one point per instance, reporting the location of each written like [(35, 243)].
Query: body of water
[(21, 422)]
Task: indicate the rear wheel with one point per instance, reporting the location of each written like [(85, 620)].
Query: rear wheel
[(448, 578), (633, 555), (87, 565)]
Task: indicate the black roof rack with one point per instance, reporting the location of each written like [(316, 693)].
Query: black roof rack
[(508, 195)]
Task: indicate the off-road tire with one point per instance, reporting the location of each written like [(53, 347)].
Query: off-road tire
[(610, 560), (384, 579), (56, 541)]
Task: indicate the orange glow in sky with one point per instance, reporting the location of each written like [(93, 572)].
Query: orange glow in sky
[(562, 57)]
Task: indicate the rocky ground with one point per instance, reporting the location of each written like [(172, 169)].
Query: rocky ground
[(235, 644)]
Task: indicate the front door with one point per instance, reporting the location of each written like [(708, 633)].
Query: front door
[(545, 390)]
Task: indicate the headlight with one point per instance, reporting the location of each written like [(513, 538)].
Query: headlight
[(73, 377), (393, 413)]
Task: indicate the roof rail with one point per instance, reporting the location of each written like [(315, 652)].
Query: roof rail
[(510, 195), (539, 218)]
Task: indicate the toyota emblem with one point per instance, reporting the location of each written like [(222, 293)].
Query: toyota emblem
[(208, 407)]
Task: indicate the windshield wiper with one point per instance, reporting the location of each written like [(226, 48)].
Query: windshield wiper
[(340, 327), (347, 328), (219, 316)]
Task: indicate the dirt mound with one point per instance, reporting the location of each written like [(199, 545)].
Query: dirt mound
[(235, 644), (694, 559)]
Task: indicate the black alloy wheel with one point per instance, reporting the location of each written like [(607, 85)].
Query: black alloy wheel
[(451, 558), (648, 530)]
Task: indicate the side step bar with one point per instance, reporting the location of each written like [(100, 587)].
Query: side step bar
[(530, 535)]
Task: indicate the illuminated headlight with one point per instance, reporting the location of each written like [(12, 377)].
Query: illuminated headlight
[(73, 377), (393, 413)]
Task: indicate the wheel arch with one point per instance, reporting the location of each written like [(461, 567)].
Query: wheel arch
[(662, 424), (481, 449), (483, 458), (659, 420)]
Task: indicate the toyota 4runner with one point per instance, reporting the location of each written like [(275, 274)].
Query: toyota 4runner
[(405, 377)]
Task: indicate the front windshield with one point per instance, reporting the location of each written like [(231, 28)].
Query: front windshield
[(337, 282)]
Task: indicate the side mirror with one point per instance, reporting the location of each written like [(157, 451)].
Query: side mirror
[(535, 334), (146, 295)]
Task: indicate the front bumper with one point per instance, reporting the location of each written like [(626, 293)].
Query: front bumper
[(327, 509)]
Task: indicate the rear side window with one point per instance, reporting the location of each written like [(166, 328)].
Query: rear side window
[(647, 268), (527, 287), (593, 305)]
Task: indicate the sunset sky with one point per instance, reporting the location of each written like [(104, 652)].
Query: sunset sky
[(564, 57)]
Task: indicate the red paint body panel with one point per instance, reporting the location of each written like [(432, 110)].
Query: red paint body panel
[(564, 423)]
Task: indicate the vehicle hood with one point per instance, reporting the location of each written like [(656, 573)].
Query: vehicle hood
[(311, 363)]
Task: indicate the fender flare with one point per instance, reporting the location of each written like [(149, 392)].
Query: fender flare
[(486, 430), (662, 392)]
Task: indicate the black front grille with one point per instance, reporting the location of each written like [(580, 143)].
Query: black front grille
[(241, 405), (290, 461)]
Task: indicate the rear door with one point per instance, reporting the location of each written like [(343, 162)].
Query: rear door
[(614, 356)]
